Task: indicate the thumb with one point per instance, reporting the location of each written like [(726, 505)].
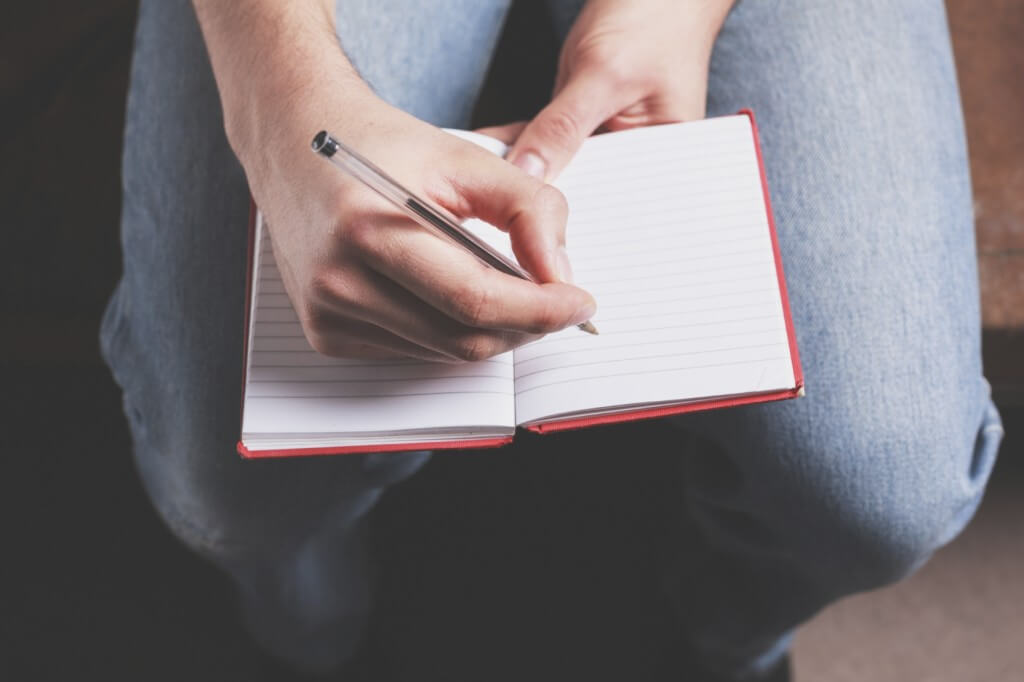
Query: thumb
[(550, 140), (532, 213)]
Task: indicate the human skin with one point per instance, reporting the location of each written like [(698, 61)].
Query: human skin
[(623, 65), (364, 280)]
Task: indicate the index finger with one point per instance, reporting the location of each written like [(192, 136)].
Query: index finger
[(451, 280)]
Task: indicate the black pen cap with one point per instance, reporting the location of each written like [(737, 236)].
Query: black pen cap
[(323, 144)]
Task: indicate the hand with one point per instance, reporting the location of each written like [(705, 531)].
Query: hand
[(368, 282), (625, 63)]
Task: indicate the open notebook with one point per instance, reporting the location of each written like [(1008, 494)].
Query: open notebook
[(670, 229)]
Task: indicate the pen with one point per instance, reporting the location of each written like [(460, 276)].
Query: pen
[(426, 214)]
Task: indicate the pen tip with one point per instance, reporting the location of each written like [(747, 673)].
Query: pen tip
[(588, 327)]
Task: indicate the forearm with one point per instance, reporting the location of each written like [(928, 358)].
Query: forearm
[(268, 58)]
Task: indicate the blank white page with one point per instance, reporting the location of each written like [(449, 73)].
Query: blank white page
[(296, 397), (668, 230)]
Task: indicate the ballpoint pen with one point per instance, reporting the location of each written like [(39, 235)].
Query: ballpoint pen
[(423, 212)]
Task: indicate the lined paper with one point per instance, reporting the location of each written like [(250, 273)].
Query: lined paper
[(297, 397), (668, 230)]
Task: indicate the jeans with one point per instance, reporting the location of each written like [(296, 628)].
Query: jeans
[(795, 503)]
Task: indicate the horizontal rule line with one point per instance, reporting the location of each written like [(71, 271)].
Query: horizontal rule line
[(363, 396)]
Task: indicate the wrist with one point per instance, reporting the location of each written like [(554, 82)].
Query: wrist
[(280, 112), (284, 100), (279, 69), (710, 15)]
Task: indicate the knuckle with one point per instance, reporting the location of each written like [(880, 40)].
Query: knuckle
[(331, 285), (474, 347), (595, 54), (318, 323), (320, 342), (321, 288), (548, 318), (552, 202), (462, 155), (314, 320), (607, 62), (561, 126), (616, 71), (329, 334), (359, 233), (473, 305), (324, 286)]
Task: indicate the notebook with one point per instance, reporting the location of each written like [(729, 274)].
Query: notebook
[(670, 228)]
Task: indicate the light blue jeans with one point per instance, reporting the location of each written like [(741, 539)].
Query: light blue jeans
[(796, 503)]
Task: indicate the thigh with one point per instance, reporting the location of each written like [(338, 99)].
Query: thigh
[(427, 58), (173, 332), (864, 146)]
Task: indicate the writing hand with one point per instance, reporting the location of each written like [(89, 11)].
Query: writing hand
[(369, 282), (365, 280)]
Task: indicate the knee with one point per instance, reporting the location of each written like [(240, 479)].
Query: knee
[(864, 542), (227, 509), (256, 515), (887, 500)]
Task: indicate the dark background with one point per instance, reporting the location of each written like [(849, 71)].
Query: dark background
[(95, 588)]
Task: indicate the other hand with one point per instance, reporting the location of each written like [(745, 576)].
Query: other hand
[(625, 63)]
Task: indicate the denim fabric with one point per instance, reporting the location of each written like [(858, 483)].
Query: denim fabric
[(796, 503)]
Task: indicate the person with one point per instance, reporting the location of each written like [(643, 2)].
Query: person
[(797, 503)]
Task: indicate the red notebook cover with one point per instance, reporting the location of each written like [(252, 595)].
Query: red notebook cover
[(572, 422)]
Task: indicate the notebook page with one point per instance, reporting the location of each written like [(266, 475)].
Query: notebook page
[(292, 391), (668, 230)]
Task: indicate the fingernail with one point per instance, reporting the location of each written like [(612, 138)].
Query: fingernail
[(586, 313), (562, 265), (531, 164)]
